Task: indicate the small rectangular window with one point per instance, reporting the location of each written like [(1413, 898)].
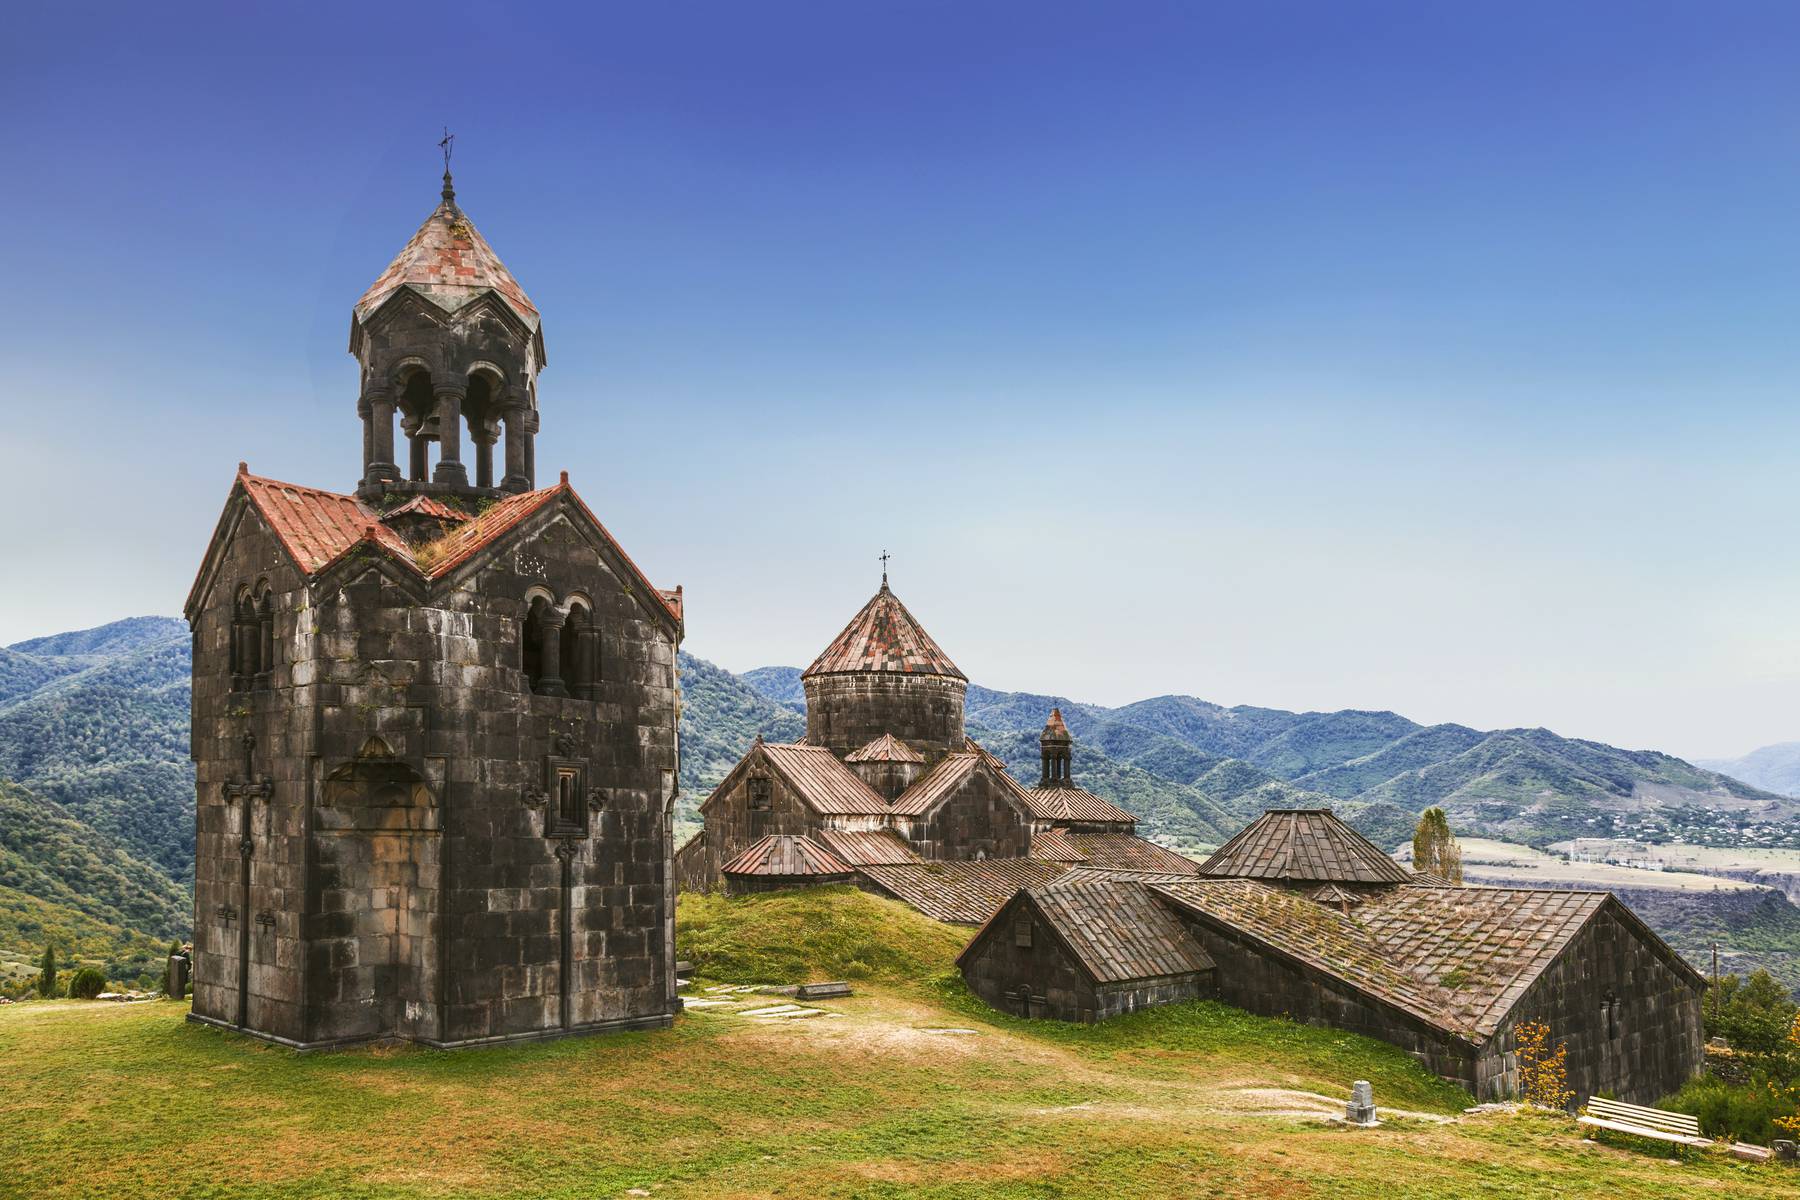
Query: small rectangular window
[(759, 793), (1022, 933), (568, 799), (565, 798)]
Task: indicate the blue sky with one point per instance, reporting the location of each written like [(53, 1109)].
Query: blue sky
[(1430, 357)]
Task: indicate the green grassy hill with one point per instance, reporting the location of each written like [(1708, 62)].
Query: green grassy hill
[(913, 1090)]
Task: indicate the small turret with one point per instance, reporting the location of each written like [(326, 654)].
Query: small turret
[(1058, 750)]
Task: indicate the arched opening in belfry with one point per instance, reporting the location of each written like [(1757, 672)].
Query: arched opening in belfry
[(481, 409), (418, 417), (578, 651)]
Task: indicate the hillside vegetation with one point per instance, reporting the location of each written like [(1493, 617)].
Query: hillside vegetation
[(913, 1090)]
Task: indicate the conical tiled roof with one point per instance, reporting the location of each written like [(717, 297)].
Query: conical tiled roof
[(1055, 729), (883, 637), (449, 263), (1303, 845)]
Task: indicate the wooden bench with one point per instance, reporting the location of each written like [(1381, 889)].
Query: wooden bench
[(1679, 1128)]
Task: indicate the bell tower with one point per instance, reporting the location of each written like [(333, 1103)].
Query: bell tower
[(448, 342)]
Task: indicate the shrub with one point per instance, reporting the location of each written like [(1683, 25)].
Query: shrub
[(87, 983), (1543, 1071), (1756, 1112)]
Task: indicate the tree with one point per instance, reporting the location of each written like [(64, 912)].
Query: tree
[(87, 983), (1752, 1013), (1434, 846), (47, 973), (1543, 1068)]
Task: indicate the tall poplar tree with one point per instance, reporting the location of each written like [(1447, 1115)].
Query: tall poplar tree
[(1434, 846), (47, 973)]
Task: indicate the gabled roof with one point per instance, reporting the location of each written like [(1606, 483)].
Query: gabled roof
[(318, 528), (1456, 959), (1305, 845), (1316, 936), (937, 784), (868, 848), (1118, 851), (823, 784), (883, 637), (449, 263), (1066, 802), (786, 855), (428, 506), (1116, 930), (886, 748), (961, 892)]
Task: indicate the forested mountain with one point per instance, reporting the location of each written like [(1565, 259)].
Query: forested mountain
[(98, 836)]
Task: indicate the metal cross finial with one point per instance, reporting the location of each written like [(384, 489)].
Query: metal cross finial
[(884, 562), (447, 145)]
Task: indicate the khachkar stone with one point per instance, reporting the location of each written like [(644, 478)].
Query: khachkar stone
[(1361, 1109), (434, 722)]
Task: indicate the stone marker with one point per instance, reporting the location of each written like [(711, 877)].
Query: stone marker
[(178, 976), (819, 991), (683, 967), (1361, 1109), (1787, 1150)]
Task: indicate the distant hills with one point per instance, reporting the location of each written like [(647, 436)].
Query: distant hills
[(97, 811), (1774, 768)]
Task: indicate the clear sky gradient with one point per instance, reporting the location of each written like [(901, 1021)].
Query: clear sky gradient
[(1432, 357)]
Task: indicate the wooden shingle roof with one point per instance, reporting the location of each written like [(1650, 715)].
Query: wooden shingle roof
[(870, 848), (1066, 802), (962, 893), (1307, 845), (886, 748), (1123, 851), (787, 856), (883, 637), (823, 783), (1118, 931)]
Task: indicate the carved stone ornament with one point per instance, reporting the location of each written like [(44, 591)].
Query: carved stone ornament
[(536, 797), (596, 799), (567, 849), (566, 745), (530, 564)]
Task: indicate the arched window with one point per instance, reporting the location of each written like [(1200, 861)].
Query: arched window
[(581, 652), (531, 643), (418, 417), (265, 637)]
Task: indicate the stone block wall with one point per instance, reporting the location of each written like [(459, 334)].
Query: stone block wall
[(978, 819), (1037, 980), (1630, 1021), (846, 712)]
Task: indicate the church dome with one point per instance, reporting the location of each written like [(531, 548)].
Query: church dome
[(884, 675)]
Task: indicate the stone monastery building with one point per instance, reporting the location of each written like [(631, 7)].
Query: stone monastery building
[(888, 792), (434, 722)]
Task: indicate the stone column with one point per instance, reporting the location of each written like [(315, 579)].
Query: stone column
[(550, 653), (516, 479), (531, 428), (449, 420), (366, 412), (380, 447), (484, 435)]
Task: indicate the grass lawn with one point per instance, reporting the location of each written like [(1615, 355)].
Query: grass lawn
[(1199, 1099)]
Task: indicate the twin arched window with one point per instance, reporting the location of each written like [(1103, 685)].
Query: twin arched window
[(559, 649), (252, 637)]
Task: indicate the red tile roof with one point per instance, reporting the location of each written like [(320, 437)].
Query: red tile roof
[(823, 783), (1055, 729), (429, 506), (786, 855), (886, 748), (883, 637), (449, 263), (317, 528), (1307, 845)]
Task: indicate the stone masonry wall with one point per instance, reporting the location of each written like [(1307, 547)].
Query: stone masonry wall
[(1039, 980), (1646, 1046), (847, 712), (977, 819)]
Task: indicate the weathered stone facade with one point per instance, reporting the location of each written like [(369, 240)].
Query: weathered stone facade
[(847, 711), (409, 824)]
